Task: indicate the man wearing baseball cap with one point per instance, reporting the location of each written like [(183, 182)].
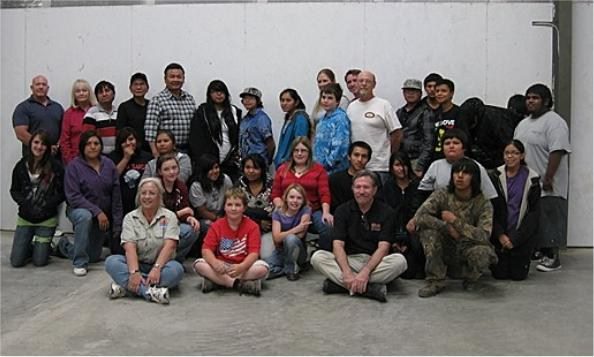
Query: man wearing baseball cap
[(417, 121)]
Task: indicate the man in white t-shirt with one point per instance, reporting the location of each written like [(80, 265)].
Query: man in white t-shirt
[(545, 136), (374, 121)]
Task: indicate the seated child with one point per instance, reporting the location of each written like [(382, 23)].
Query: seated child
[(289, 229), (230, 250)]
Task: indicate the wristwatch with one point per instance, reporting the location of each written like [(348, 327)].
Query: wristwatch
[(157, 265), (134, 271)]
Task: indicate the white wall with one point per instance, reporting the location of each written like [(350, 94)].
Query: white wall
[(580, 179), (489, 49)]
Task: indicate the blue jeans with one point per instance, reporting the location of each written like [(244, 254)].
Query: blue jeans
[(321, 228), (88, 238), (287, 258), (31, 242), (117, 268), (187, 237)]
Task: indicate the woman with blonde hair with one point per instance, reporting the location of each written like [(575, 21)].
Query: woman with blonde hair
[(81, 99)]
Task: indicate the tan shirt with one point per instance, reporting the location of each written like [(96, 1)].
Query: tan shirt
[(149, 236)]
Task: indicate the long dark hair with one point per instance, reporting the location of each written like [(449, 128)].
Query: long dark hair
[(84, 139), (403, 159), (518, 145), (205, 163), (259, 163), (299, 108), (212, 117), (469, 166), (122, 136), (43, 166)]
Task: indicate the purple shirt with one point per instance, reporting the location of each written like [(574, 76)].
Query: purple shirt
[(288, 222), (515, 191), (95, 191)]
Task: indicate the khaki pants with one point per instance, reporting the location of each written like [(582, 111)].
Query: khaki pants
[(388, 269)]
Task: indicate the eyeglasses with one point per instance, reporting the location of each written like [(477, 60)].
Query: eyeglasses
[(512, 153), (364, 222)]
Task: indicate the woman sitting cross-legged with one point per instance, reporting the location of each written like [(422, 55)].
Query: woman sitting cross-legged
[(230, 250), (289, 228), (150, 235)]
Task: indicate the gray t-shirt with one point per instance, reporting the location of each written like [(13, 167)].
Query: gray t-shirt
[(214, 199), (540, 137), (438, 176)]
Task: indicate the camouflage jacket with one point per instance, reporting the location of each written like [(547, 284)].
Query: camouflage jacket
[(474, 217)]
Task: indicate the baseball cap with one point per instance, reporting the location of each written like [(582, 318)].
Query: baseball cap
[(412, 84), (251, 91)]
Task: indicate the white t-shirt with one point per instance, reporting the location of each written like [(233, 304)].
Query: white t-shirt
[(372, 122), (438, 176), (540, 137)]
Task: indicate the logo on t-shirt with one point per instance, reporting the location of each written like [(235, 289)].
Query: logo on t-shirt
[(230, 247), (369, 115)]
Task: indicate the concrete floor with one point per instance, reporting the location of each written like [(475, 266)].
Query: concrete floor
[(49, 311)]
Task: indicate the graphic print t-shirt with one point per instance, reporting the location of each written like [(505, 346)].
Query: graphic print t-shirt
[(233, 246)]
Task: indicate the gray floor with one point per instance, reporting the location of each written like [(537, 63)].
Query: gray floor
[(49, 311)]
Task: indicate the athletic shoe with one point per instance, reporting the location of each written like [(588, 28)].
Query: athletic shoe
[(207, 285), (330, 287), (250, 287), (158, 295), (549, 264), (376, 291), (116, 291), (80, 271)]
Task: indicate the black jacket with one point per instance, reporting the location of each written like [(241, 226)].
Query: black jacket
[(205, 131), (524, 238), (37, 205)]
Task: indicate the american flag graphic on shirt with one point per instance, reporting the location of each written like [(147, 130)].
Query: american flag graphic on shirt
[(230, 247)]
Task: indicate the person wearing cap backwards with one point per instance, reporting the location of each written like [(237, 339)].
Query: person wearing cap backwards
[(546, 139), (255, 130), (417, 127)]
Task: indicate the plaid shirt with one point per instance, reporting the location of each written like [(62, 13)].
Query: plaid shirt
[(166, 111)]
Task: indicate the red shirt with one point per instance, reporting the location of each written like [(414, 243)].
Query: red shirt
[(72, 127), (314, 181), (232, 246)]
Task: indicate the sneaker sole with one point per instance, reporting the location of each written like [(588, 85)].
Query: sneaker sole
[(547, 269)]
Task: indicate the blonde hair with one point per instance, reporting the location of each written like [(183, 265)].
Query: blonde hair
[(297, 187), (155, 181), (87, 86), (236, 192)]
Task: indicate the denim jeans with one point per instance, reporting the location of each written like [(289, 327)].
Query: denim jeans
[(287, 258), (187, 238), (31, 242), (88, 238), (324, 230), (117, 268)]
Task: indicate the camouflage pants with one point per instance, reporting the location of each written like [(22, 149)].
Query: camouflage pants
[(464, 258)]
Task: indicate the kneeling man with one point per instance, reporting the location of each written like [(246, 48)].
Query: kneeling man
[(360, 262), (454, 225)]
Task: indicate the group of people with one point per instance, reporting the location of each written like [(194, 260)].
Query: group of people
[(388, 192)]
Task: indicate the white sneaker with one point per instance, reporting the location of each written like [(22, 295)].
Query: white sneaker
[(58, 233), (80, 271), (116, 291), (158, 295)]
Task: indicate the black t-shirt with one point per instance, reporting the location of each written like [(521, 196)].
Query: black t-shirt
[(363, 232), (130, 177), (133, 115), (444, 121)]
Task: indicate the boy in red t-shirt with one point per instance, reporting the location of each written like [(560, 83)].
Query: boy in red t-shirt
[(230, 250)]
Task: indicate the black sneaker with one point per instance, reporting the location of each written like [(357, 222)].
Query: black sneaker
[(207, 286), (250, 287), (376, 291), (330, 287), (549, 264)]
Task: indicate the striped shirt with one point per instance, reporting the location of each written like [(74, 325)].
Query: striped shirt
[(104, 123), (166, 111)]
